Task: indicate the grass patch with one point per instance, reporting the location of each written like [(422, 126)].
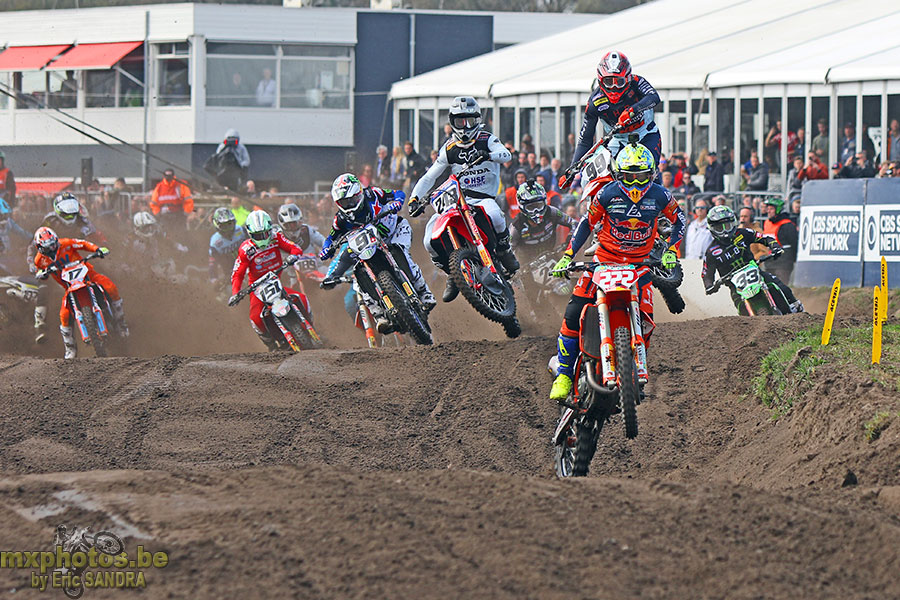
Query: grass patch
[(786, 372), (877, 424)]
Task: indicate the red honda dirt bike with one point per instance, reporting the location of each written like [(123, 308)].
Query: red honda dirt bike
[(88, 301), (282, 313), (464, 239), (611, 366)]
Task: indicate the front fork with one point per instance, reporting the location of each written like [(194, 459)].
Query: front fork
[(607, 345), (98, 316), (476, 235)]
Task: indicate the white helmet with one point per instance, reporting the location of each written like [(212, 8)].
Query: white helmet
[(259, 227), (145, 224), (465, 118), (347, 193), (290, 217)]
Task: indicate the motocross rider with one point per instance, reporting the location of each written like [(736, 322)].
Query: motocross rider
[(259, 255), (626, 211), (55, 251), (224, 244), (481, 183), (359, 206), (290, 220), (7, 227), (534, 228), (730, 250), (620, 98), (146, 242)]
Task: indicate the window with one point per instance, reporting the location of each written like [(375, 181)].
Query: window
[(443, 121), (406, 131), (174, 75), (871, 133), (31, 88), (724, 128), (507, 129), (571, 127), (426, 131), (548, 132), (100, 88), (526, 130), (4, 82), (749, 118), (271, 75), (63, 89)]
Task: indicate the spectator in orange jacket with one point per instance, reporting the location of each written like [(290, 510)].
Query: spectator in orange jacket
[(171, 199)]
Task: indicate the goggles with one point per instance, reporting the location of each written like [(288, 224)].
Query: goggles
[(464, 122), (261, 236), (350, 203), (614, 82), (291, 226), (534, 206), (636, 177), (720, 226)]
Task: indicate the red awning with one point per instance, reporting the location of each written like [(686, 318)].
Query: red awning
[(93, 56), (28, 58), (47, 187)]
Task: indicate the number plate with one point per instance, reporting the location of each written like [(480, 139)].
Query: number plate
[(747, 280), (615, 278), (271, 290), (74, 274), (446, 197), (597, 166)]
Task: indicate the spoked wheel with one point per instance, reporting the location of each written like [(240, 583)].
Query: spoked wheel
[(97, 341), (301, 336), (564, 460), (108, 543), (489, 294), (413, 321), (629, 390)]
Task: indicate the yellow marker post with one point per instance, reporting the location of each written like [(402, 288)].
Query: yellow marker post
[(829, 314), (884, 291), (876, 326)]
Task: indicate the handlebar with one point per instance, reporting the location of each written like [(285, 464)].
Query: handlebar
[(566, 179), (290, 260), (718, 282), (591, 266)]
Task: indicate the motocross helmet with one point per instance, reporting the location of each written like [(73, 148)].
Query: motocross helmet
[(465, 118), (224, 221), (532, 199), (46, 241), (778, 203), (259, 227), (347, 192), (634, 169), (721, 222), (614, 74), (66, 205), (290, 217), (145, 224)]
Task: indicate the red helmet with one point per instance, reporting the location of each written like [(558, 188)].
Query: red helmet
[(46, 241), (614, 74)]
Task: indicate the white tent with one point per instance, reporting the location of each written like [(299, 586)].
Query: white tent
[(708, 58)]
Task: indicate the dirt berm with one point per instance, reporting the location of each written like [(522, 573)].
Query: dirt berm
[(426, 473)]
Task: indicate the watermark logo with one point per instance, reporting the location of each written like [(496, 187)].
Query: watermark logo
[(84, 560)]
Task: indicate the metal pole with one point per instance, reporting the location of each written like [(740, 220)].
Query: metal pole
[(145, 165)]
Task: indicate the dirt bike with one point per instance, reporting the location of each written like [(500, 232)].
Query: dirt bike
[(81, 540), (366, 321), (538, 286), (751, 288), (667, 280), (469, 251), (17, 287), (282, 314), (88, 301), (611, 366), (378, 273), (594, 167)]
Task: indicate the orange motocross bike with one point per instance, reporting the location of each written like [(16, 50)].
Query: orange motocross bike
[(611, 367)]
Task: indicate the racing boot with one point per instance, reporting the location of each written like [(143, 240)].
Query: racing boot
[(118, 313), (40, 318), (427, 299), (267, 339), (567, 351), (69, 342), (450, 292), (796, 307), (505, 253)]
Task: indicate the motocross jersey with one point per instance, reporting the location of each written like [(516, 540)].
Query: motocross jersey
[(641, 97), (375, 200), (307, 237), (526, 232), (67, 252), (481, 181), (723, 258), (259, 261), (627, 229), (7, 228), (81, 228), (222, 250)]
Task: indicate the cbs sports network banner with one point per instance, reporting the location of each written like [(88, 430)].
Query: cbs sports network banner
[(845, 227)]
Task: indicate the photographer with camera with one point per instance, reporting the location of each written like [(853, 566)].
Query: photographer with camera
[(230, 163)]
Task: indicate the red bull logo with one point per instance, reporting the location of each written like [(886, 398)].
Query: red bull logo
[(634, 224)]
